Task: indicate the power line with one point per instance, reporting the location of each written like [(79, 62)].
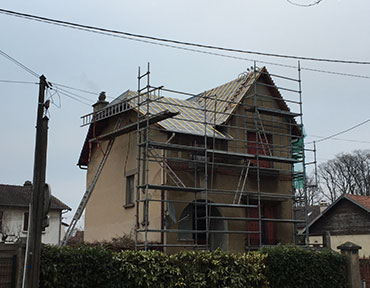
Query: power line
[(341, 132), (17, 82), (304, 5), (203, 52), (342, 139), (76, 89), (72, 97), (129, 34), (70, 93), (24, 67)]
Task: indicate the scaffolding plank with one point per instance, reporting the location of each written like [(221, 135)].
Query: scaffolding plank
[(273, 112), (231, 154), (176, 147), (132, 127), (232, 205), (254, 219), (277, 159), (171, 188)]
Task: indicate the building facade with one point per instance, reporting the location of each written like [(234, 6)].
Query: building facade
[(214, 170)]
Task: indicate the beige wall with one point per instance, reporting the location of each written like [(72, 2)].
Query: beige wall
[(106, 216), (336, 240)]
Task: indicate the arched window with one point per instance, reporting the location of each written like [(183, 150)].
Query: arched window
[(193, 222)]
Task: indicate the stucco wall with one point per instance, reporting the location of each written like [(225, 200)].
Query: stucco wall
[(107, 215), (336, 240), (13, 225)]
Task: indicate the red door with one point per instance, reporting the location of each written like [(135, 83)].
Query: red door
[(268, 228), (253, 226)]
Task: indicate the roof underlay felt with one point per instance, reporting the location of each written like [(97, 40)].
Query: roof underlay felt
[(201, 114)]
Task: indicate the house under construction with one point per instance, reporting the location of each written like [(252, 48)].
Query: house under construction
[(180, 171)]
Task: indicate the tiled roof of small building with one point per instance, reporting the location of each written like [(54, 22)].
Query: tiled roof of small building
[(20, 196), (362, 200)]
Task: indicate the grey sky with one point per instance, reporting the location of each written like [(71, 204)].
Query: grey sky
[(332, 29)]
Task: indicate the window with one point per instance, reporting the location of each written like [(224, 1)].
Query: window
[(1, 221), (25, 221), (130, 190)]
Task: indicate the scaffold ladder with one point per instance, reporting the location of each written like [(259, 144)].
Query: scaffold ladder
[(261, 133), (163, 163), (90, 189), (241, 183)]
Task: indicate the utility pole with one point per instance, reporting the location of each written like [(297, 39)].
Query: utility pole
[(38, 191)]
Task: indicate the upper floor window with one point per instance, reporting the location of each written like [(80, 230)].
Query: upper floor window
[(25, 221), (130, 189), (1, 220)]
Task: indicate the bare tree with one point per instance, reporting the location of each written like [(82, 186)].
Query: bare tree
[(346, 173), (314, 194)]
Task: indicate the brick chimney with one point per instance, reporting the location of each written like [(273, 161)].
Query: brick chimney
[(101, 103)]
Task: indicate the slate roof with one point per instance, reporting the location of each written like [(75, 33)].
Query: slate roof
[(20, 196), (312, 213)]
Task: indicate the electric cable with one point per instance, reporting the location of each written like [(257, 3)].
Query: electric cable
[(304, 5), (76, 89), (342, 139), (208, 53), (71, 93), (96, 29), (17, 82), (341, 132), (24, 67), (74, 98)]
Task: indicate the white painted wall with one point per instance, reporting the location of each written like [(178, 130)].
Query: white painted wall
[(13, 225)]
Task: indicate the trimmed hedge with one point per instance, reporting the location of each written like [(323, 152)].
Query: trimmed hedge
[(87, 266), (295, 267)]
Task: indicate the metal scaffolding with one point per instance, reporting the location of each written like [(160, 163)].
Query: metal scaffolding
[(260, 145)]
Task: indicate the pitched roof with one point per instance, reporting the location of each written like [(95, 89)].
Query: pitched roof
[(220, 103), (312, 213), (190, 120), (20, 196), (361, 201)]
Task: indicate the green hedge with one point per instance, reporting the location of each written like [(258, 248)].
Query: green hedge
[(85, 266), (293, 267)]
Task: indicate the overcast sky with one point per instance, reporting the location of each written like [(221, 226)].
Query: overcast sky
[(333, 29)]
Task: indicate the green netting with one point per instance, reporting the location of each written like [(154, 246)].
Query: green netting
[(297, 154)]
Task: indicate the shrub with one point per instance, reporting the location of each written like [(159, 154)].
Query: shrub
[(81, 266), (297, 267), (219, 269), (86, 266)]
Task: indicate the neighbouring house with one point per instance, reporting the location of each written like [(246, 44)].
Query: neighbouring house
[(213, 170), (312, 212), (14, 214), (347, 220)]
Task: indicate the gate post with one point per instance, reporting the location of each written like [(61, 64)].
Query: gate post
[(350, 251)]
